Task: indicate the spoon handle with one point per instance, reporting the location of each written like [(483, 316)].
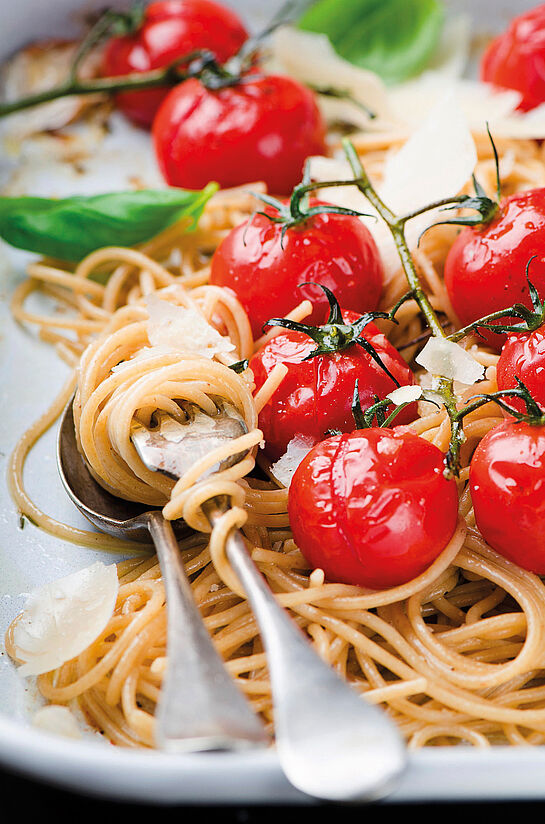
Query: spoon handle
[(200, 707), (331, 743)]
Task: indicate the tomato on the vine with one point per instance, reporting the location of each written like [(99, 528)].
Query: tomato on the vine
[(523, 357), (265, 270), (261, 128), (485, 269), (372, 508), (515, 59), (171, 29), (507, 481), (316, 394)]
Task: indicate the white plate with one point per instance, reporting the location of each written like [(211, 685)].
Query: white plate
[(31, 374)]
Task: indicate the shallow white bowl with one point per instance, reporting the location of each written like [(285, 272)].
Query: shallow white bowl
[(30, 376)]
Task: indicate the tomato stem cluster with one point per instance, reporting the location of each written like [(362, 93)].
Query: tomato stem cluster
[(335, 335)]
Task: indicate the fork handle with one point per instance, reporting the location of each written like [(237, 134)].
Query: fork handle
[(331, 742), (200, 707)]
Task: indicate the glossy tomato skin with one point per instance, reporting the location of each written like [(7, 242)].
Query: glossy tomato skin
[(263, 128), (485, 269), (372, 508), (171, 29), (507, 481), (523, 357), (316, 394), (265, 271), (515, 59)]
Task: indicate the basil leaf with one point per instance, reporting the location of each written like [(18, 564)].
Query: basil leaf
[(394, 38), (70, 228)]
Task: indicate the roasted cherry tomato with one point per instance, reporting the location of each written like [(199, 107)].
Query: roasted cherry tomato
[(516, 58), (171, 29), (316, 394), (507, 480), (265, 270), (485, 269), (372, 508), (523, 357), (262, 128)]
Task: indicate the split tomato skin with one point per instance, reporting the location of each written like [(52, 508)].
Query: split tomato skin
[(507, 481), (515, 59), (261, 129), (372, 508), (316, 394), (171, 29), (523, 357), (485, 269), (265, 271)]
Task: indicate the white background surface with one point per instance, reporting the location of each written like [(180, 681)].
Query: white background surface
[(30, 376)]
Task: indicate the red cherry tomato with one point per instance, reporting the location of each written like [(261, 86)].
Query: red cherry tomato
[(263, 128), (372, 508), (265, 271), (523, 356), (485, 269), (507, 481), (516, 58), (316, 394), (171, 29)]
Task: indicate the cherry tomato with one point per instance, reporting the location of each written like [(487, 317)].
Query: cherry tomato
[(485, 269), (265, 271), (262, 128), (171, 29), (316, 394), (372, 508), (515, 59), (507, 481), (523, 356)]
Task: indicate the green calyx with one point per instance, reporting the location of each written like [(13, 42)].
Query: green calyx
[(297, 211), (335, 335)]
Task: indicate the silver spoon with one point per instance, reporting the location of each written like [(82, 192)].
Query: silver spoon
[(331, 743), (200, 707)]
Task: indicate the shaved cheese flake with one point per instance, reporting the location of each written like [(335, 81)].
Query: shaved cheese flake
[(435, 163), (447, 359), (310, 58), (405, 394), (62, 618), (181, 329), (284, 469), (57, 719)]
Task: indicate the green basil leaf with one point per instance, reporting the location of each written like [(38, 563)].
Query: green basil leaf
[(70, 228), (394, 38)]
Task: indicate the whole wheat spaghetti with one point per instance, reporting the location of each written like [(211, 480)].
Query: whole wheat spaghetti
[(456, 655)]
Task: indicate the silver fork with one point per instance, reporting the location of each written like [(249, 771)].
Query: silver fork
[(331, 743)]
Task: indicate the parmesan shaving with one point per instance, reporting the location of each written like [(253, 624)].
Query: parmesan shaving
[(405, 394), (445, 358), (57, 719), (181, 329), (64, 617), (310, 58), (284, 469), (435, 163)]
